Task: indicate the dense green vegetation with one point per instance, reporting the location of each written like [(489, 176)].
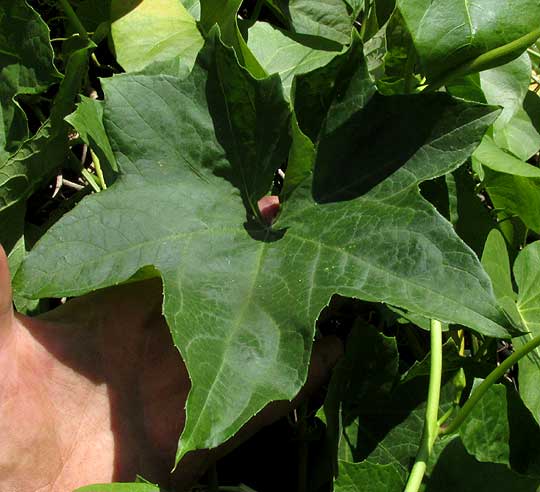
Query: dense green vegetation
[(402, 138)]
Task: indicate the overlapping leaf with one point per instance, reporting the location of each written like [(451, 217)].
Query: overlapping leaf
[(26, 67), (527, 275), (24, 170), (525, 306), (366, 151), (330, 19), (512, 184), (285, 53), (150, 31), (450, 33), (195, 154), (507, 86)]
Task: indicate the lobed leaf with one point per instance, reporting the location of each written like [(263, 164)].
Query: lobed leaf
[(195, 154)]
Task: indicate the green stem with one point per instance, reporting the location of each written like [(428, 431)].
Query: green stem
[(491, 379), (445, 416), (533, 53), (493, 58), (91, 180), (430, 431), (99, 171), (73, 19)]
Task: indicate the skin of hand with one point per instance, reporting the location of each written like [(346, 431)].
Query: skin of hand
[(94, 392)]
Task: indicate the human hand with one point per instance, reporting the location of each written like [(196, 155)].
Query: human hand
[(94, 391)]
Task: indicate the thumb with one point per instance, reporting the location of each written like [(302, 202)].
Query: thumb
[(6, 306)]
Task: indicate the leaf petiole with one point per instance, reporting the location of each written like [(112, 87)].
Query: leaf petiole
[(98, 169), (430, 432), (491, 379), (490, 59), (91, 180)]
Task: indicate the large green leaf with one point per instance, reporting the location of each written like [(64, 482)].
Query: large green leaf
[(149, 31), (368, 477), (195, 154), (449, 33), (351, 126), (285, 53), (527, 275), (26, 67)]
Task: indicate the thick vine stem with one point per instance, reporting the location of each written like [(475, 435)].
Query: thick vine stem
[(430, 432), (493, 58), (491, 379)]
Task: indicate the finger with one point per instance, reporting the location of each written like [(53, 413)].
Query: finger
[(6, 306), (269, 207)]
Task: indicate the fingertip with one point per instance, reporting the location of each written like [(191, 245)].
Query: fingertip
[(6, 306)]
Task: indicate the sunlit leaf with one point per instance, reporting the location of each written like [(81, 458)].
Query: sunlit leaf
[(195, 155)]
